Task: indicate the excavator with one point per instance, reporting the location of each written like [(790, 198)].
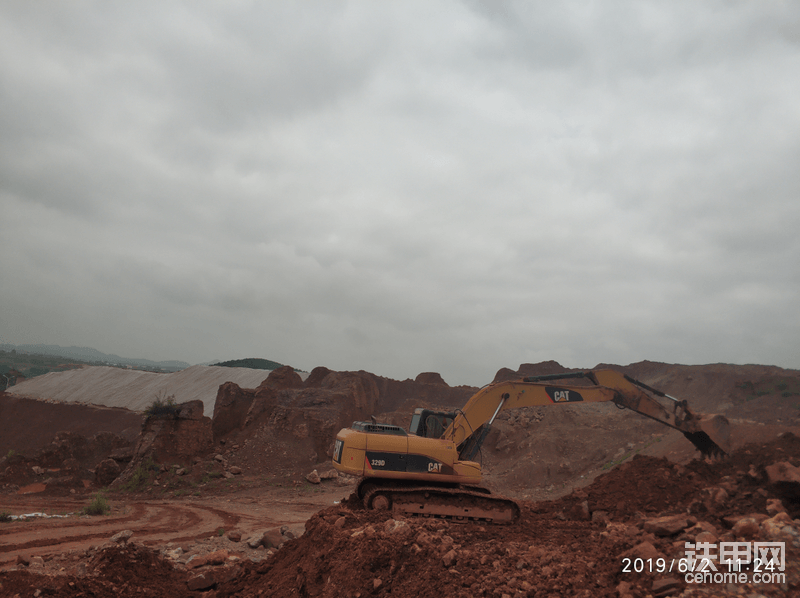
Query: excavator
[(431, 471)]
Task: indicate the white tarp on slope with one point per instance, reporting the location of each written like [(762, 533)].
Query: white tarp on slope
[(135, 390)]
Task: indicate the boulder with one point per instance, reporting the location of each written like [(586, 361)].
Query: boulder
[(313, 477), (122, 537), (201, 581), (783, 471), (235, 536)]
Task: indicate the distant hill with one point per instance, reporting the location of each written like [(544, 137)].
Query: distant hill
[(255, 363), (93, 356)]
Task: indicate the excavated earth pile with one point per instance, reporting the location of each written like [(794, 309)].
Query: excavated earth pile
[(584, 544)]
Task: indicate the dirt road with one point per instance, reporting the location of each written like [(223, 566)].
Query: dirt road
[(153, 522)]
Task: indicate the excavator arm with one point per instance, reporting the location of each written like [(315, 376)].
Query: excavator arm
[(471, 425)]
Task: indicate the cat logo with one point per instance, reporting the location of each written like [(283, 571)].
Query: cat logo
[(561, 395), (434, 467)]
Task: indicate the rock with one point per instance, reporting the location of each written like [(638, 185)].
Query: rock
[(340, 522), (666, 526), (746, 527), (719, 496), (106, 472), (36, 562), (449, 559), (235, 536), (180, 472), (122, 537), (376, 584), (195, 561), (174, 554), (600, 517), (228, 475), (218, 557), (273, 538), (705, 526), (644, 550), (235, 470), (783, 472), (331, 474), (23, 560), (219, 458), (313, 477), (201, 581), (255, 540), (397, 528), (780, 527), (775, 506), (732, 520), (38, 470)]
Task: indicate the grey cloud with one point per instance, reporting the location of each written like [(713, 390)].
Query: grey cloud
[(449, 186)]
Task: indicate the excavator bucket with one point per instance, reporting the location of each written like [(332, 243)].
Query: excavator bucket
[(713, 438)]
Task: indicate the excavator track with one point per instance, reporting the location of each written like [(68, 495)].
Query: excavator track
[(457, 504)]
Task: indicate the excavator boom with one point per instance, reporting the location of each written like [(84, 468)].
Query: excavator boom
[(469, 428)]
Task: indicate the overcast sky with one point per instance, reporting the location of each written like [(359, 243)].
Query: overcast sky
[(403, 187)]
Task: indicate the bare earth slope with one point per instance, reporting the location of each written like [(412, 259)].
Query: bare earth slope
[(28, 425)]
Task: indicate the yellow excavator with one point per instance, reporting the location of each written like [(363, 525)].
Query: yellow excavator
[(430, 470)]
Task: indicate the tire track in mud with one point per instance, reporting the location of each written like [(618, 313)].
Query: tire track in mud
[(151, 523)]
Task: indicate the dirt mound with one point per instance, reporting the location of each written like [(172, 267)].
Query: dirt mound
[(116, 571)]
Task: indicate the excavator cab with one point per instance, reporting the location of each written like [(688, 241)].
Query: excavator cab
[(430, 424)]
